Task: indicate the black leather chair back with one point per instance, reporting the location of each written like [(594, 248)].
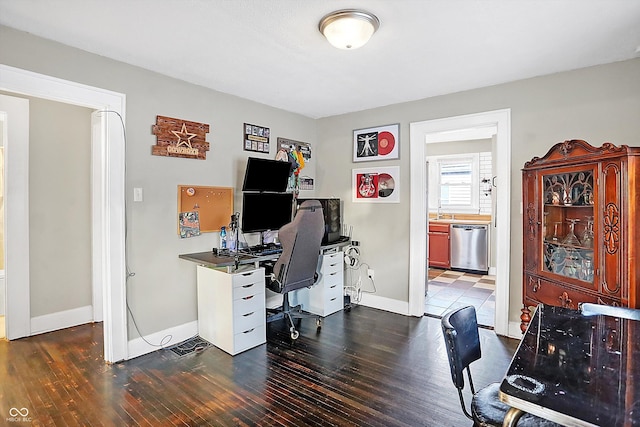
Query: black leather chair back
[(460, 330)]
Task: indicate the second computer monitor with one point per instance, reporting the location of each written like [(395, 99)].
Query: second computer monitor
[(265, 211)]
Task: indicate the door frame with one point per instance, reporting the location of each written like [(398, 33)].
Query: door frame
[(107, 201), (419, 137)]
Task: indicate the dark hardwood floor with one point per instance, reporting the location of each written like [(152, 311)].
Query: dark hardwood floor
[(365, 368)]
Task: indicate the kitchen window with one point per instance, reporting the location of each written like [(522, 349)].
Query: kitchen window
[(454, 183)]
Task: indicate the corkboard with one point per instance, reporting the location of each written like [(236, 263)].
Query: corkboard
[(213, 204)]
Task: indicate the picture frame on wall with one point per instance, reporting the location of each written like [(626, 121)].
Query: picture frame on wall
[(256, 138), (376, 185), (376, 143)]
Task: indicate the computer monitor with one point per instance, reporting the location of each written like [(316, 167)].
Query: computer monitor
[(265, 211), (266, 175), (332, 221)]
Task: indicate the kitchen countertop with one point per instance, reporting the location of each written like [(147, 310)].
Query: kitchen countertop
[(460, 221)]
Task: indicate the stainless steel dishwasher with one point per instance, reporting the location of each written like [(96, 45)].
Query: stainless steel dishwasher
[(469, 249)]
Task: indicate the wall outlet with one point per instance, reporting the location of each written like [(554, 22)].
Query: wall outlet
[(370, 273)]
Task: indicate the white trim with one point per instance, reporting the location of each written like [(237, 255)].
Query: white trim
[(61, 320), (107, 192), (386, 304), (16, 220), (501, 119), (140, 347)]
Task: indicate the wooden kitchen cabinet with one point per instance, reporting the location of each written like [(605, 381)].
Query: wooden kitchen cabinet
[(439, 244), (581, 207)]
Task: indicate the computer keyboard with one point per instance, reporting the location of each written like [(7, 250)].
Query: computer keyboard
[(267, 249)]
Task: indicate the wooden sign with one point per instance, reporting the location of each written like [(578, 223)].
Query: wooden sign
[(180, 138)]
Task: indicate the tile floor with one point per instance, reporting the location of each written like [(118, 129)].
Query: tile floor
[(449, 289)]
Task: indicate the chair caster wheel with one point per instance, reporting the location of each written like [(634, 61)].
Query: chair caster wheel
[(294, 334), (319, 323)]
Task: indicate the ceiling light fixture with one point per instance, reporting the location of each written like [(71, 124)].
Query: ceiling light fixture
[(348, 28)]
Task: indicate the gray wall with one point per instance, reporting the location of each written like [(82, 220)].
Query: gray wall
[(59, 206), (162, 294), (596, 104)]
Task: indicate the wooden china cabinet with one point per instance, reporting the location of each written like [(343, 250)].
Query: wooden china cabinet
[(581, 233)]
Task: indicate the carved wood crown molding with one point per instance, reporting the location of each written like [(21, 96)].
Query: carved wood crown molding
[(574, 148)]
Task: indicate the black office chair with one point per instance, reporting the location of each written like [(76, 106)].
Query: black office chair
[(296, 267), (460, 330), (590, 309)]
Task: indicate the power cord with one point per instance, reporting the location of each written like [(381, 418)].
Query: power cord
[(129, 274)]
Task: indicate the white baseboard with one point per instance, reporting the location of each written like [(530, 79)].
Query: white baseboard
[(139, 347), (61, 320), (493, 271), (386, 304)]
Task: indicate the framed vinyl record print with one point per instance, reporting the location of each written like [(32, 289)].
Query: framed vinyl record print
[(377, 143)]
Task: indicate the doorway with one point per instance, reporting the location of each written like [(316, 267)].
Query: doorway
[(107, 194), (420, 133)]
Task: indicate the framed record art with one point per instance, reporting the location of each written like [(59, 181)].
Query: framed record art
[(378, 143), (376, 185)]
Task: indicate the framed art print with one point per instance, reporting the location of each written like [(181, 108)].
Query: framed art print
[(377, 143), (256, 138), (376, 185)]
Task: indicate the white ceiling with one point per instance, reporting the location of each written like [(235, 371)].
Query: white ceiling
[(270, 51)]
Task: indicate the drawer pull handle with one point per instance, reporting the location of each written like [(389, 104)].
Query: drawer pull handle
[(535, 285), (333, 286), (249, 331), (248, 286), (248, 298), (249, 273), (248, 314), (333, 299), (333, 265), (333, 274)]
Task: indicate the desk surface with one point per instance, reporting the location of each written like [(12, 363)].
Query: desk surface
[(577, 370), (212, 260)]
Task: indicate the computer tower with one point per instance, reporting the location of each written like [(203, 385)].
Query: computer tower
[(332, 220)]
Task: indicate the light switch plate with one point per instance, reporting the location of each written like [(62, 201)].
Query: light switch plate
[(137, 194)]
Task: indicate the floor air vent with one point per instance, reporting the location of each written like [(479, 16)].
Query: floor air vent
[(189, 346)]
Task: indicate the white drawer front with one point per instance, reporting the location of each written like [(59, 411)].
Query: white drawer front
[(334, 304), (248, 339), (242, 322), (253, 276), (332, 290), (332, 263), (248, 289), (248, 304), (333, 277)]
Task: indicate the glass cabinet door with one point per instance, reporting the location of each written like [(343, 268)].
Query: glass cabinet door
[(568, 225)]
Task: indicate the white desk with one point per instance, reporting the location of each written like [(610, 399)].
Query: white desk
[(231, 301)]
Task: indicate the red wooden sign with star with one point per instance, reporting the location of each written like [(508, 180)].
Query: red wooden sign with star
[(180, 138)]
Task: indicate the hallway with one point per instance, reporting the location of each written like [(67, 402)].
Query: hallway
[(449, 289)]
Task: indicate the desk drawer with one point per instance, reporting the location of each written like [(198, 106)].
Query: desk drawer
[(332, 290), (247, 290), (248, 339), (243, 321), (333, 305), (335, 277), (248, 277), (331, 263), (248, 304)]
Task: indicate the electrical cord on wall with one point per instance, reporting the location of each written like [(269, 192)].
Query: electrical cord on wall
[(353, 264), (129, 274)]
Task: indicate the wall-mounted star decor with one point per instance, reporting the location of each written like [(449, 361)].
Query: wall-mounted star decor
[(180, 138)]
